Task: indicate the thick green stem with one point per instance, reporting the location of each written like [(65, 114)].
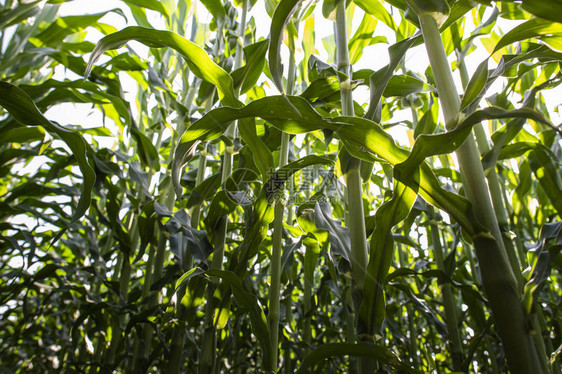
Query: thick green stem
[(275, 282), (359, 250), (497, 276), (276, 252), (275, 265), (495, 189), (207, 361), (356, 218)]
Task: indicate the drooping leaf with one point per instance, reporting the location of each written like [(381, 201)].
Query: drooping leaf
[(216, 8), (150, 4), (476, 84), (250, 302), (24, 111), (533, 28), (246, 77), (376, 9), (281, 18), (363, 139), (340, 240), (197, 59), (547, 9), (373, 309), (372, 351), (432, 144)]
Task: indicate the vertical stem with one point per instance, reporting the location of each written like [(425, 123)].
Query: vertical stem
[(207, 361), (356, 219), (275, 283), (359, 251), (495, 189), (277, 239), (497, 276)]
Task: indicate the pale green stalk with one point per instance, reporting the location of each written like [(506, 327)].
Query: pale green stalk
[(277, 238), (449, 304), (503, 221), (494, 185), (178, 336), (359, 250), (275, 264), (498, 279), (207, 361), (287, 362), (356, 219), (124, 266), (308, 284)]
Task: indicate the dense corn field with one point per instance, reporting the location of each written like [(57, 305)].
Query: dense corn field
[(246, 186)]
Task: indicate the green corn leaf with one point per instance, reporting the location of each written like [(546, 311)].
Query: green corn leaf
[(376, 9), (216, 8), (197, 59), (365, 135), (215, 123), (281, 18), (363, 37), (21, 107), (262, 156), (203, 190), (323, 89), (547, 9), (476, 85), (428, 122), (187, 276), (56, 32), (372, 351), (281, 175), (246, 77), (340, 240), (363, 139), (263, 210), (433, 144), (310, 257), (533, 28), (543, 163), (379, 79), (150, 4), (145, 149), (249, 302), (404, 85), (373, 309), (9, 17)]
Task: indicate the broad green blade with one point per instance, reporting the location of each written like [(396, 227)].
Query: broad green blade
[(373, 309), (372, 351), (150, 4), (363, 139), (197, 59), (533, 28), (21, 107), (281, 18)]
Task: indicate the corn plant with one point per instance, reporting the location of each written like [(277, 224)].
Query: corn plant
[(283, 186)]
